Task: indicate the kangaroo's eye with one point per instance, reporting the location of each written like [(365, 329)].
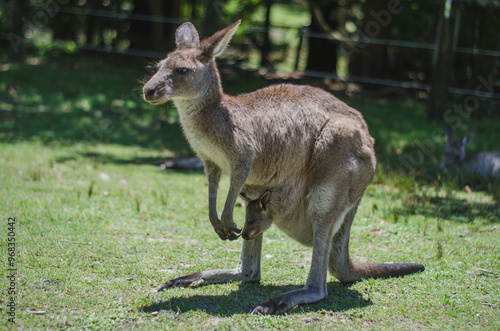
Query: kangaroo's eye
[(182, 71)]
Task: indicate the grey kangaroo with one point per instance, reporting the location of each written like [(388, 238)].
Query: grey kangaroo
[(311, 150), (258, 216), (485, 164)]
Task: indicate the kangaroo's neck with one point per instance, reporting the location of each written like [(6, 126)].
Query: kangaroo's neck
[(206, 100)]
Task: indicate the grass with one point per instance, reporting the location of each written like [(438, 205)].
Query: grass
[(99, 226)]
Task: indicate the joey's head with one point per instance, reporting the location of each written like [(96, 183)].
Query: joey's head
[(258, 216), (188, 72)]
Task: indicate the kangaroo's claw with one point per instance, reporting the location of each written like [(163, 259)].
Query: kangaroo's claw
[(270, 308), (233, 236)]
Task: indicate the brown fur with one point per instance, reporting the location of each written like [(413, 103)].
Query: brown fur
[(313, 153)]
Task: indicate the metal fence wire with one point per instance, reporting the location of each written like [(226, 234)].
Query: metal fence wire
[(304, 36)]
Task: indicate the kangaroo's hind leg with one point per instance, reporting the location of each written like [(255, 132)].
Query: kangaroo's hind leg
[(341, 266), (342, 165), (315, 288)]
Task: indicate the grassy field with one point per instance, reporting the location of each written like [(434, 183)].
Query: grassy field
[(99, 226)]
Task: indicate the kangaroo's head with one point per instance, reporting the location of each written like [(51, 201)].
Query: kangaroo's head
[(454, 152), (258, 217), (189, 71)]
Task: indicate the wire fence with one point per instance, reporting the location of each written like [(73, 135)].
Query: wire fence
[(303, 34)]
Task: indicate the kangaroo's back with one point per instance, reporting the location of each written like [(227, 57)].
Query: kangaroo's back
[(284, 123)]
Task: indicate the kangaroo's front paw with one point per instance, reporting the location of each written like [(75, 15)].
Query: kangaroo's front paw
[(221, 233), (233, 236), (190, 280), (218, 228), (230, 229)]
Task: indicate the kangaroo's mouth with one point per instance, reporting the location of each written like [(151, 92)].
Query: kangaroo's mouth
[(155, 97), (250, 234), (157, 101)]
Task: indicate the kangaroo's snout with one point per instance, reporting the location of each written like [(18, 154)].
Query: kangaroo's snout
[(250, 233), (155, 92)]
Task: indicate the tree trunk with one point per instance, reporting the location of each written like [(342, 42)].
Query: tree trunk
[(322, 52), (212, 21), (442, 65), (156, 36), (266, 46), (16, 36), (371, 60)]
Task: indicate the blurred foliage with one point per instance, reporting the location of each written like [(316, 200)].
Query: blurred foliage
[(48, 27)]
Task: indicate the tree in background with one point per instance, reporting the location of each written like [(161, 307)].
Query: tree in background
[(322, 54), (16, 33), (153, 24), (150, 34), (478, 30), (212, 20)]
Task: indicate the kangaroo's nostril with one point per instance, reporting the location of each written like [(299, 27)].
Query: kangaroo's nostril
[(150, 92)]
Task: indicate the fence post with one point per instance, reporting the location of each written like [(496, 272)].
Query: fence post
[(442, 61), (299, 48)]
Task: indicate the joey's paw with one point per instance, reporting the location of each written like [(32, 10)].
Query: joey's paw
[(270, 308)]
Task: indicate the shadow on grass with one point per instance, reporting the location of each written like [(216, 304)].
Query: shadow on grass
[(340, 298), (461, 210), (448, 208)]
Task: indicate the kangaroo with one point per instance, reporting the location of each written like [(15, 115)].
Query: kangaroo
[(485, 164), (258, 216), (311, 150)]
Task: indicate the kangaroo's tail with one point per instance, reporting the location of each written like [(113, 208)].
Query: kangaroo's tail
[(379, 270), (341, 266)]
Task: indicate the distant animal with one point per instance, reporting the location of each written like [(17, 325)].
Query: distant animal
[(485, 164), (311, 150)]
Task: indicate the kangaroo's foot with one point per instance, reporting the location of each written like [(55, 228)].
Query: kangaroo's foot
[(194, 279), (270, 307), (286, 301), (247, 270)]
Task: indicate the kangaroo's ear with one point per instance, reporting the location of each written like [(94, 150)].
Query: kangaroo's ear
[(467, 139), (186, 36), (215, 45), (450, 134), (264, 200)]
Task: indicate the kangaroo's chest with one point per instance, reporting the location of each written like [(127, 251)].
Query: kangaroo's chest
[(206, 148)]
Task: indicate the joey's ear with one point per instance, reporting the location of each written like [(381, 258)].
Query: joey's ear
[(450, 134), (265, 199), (215, 45), (467, 139), (186, 36)]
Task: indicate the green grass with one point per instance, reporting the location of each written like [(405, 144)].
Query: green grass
[(99, 227)]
